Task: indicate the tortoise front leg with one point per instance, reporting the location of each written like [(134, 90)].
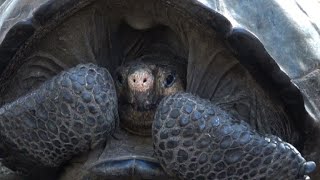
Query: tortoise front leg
[(67, 115), (195, 139)]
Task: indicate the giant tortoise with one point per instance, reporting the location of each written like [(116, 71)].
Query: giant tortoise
[(105, 89)]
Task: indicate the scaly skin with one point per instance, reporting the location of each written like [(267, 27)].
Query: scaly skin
[(67, 115), (195, 139)]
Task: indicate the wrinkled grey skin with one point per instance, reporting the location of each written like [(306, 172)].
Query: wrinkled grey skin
[(135, 23)]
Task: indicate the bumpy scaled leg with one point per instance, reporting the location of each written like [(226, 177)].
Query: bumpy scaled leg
[(195, 139), (67, 115)]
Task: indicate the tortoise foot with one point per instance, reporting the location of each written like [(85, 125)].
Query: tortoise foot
[(194, 139), (69, 114)]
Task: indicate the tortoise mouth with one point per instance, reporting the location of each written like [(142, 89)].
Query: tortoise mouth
[(141, 109), (135, 121)]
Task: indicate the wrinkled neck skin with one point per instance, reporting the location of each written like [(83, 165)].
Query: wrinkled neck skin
[(140, 87)]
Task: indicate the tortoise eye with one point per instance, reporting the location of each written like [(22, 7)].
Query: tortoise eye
[(169, 81)]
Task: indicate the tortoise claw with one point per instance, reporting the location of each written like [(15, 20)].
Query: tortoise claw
[(308, 167)]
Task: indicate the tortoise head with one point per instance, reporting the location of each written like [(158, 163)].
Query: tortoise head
[(140, 87)]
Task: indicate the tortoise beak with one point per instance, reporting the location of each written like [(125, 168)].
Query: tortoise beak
[(141, 102), (141, 89)]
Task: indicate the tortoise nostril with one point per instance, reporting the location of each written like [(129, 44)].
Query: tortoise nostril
[(140, 81)]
